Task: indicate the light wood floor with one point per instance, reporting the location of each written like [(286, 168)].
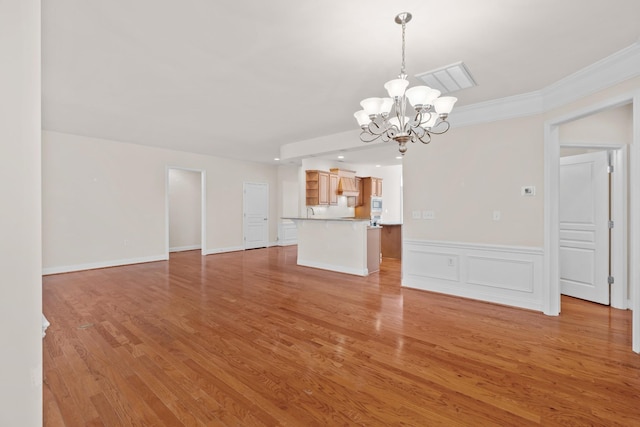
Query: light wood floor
[(250, 338)]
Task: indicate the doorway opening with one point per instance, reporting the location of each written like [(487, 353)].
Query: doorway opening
[(552, 144), (185, 210), (593, 223)]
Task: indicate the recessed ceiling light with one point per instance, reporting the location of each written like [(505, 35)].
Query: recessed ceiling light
[(399, 157), (276, 158), (341, 157), (378, 166)]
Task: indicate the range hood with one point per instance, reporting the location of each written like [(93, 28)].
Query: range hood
[(347, 185)]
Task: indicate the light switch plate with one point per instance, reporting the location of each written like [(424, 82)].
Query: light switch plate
[(497, 215), (415, 214), (428, 215)]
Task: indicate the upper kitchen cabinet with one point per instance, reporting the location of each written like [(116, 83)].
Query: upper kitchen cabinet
[(321, 188), (376, 187), (371, 187), (360, 196), (333, 188)]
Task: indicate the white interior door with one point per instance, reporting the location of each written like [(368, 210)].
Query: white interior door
[(584, 226), (256, 215)]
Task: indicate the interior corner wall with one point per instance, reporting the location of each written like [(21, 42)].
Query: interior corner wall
[(104, 202), (20, 245), (468, 173)]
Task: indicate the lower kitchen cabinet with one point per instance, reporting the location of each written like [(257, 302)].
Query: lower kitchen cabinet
[(373, 249), (392, 241)]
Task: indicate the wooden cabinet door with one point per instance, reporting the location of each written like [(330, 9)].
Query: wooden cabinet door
[(378, 186), (360, 196), (333, 189), (323, 188)]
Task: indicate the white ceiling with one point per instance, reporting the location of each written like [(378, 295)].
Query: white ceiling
[(237, 78)]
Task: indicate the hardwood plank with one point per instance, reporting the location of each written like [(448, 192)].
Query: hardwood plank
[(250, 338)]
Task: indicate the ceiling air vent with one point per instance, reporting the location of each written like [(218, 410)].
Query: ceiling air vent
[(448, 79)]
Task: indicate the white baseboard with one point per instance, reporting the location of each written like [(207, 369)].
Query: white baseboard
[(185, 248), (101, 264), (338, 268), (223, 250), (509, 275)]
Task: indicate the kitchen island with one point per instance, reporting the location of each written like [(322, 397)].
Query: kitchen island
[(346, 245)]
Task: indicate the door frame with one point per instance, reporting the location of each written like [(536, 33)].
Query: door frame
[(617, 154), (244, 214), (551, 289), (203, 208)]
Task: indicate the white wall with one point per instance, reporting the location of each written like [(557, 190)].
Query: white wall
[(184, 210), (20, 245), (613, 126), (288, 191), (470, 172), (104, 201)]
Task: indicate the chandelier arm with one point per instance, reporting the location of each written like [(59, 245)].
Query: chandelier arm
[(376, 129), (440, 132), (368, 136), (426, 134)]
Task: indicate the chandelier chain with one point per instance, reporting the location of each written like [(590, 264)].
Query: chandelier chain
[(402, 72)]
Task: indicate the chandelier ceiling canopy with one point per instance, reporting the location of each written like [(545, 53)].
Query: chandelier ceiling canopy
[(387, 118)]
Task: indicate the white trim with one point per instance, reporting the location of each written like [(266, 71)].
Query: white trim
[(551, 202), (619, 235), (203, 212), (511, 107), (616, 68), (336, 268), (184, 248), (102, 264), (634, 223), (224, 250), (510, 275)]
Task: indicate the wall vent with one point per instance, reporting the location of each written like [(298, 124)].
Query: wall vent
[(448, 79)]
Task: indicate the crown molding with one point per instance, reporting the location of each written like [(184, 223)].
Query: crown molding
[(614, 69)]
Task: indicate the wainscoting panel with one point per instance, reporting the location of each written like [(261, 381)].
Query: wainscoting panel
[(510, 275)]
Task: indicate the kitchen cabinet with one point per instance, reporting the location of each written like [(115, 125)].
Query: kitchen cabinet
[(370, 187), (360, 196), (321, 188), (373, 249), (376, 187), (333, 188), (392, 241)]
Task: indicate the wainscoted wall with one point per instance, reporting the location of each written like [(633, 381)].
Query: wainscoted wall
[(287, 233), (508, 275)]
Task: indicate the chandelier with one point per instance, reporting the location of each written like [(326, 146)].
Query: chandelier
[(377, 120)]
